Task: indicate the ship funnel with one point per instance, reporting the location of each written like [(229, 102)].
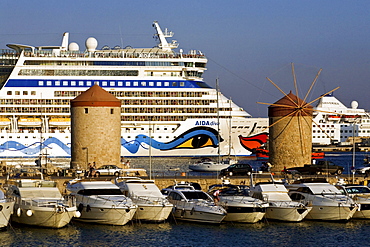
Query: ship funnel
[(65, 41)]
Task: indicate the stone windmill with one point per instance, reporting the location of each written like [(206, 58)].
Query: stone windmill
[(290, 128)]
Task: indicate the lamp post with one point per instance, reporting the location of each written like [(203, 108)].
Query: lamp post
[(353, 150)]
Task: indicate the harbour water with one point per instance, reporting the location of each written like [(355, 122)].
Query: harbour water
[(306, 233), (171, 233)]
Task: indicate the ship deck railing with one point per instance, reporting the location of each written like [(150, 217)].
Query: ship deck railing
[(110, 54)]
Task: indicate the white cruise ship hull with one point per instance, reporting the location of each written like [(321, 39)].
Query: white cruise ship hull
[(166, 105)]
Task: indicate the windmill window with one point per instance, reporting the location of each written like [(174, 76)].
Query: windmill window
[(86, 110)]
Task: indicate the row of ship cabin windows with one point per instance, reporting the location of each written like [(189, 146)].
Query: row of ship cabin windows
[(342, 131), (323, 126), (21, 93), (112, 83), (18, 137)]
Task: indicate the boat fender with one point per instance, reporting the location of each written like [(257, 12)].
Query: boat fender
[(29, 212), (88, 208), (1, 208), (182, 212), (192, 211), (127, 210), (80, 207), (19, 212), (77, 214)]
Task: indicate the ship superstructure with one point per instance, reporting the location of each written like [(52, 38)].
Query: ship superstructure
[(334, 123), (167, 108)]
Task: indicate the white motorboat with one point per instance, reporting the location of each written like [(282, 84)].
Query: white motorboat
[(195, 205), (6, 209), (327, 202), (238, 203), (361, 195), (152, 204), (101, 202), (39, 203), (281, 207), (207, 165)]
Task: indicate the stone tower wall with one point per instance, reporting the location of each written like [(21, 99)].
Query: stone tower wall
[(290, 142), (96, 136)]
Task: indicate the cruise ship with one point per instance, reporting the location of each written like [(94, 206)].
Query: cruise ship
[(168, 110), (335, 123)]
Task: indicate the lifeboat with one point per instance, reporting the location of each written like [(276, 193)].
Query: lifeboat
[(60, 122), (334, 117), (351, 118), (4, 122), (264, 154), (29, 122)]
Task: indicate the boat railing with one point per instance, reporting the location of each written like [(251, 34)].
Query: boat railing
[(289, 204), (243, 199), (109, 54), (103, 200), (335, 197), (45, 202), (150, 199)]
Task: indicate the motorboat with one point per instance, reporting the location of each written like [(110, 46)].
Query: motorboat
[(152, 204), (361, 195), (101, 202), (239, 204), (281, 207), (39, 202), (6, 209), (328, 203), (195, 205), (207, 165)]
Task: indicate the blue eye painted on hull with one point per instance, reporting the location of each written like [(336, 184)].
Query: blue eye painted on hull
[(198, 137)]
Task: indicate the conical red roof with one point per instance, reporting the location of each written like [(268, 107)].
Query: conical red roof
[(96, 96), (287, 105)]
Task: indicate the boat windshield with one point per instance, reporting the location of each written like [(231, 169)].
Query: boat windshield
[(235, 192), (190, 195), (357, 190), (105, 192)]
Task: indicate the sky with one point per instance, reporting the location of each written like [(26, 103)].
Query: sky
[(245, 41)]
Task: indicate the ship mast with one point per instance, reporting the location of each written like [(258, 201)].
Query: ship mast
[(162, 38)]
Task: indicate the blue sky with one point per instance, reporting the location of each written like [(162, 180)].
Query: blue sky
[(245, 41)]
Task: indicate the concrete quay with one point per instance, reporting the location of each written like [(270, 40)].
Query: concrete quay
[(205, 182)]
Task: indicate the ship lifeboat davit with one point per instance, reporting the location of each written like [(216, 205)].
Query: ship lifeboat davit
[(264, 154), (29, 122), (351, 118), (60, 122)]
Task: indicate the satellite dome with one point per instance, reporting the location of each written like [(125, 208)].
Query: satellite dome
[(354, 104), (73, 47), (91, 44)]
